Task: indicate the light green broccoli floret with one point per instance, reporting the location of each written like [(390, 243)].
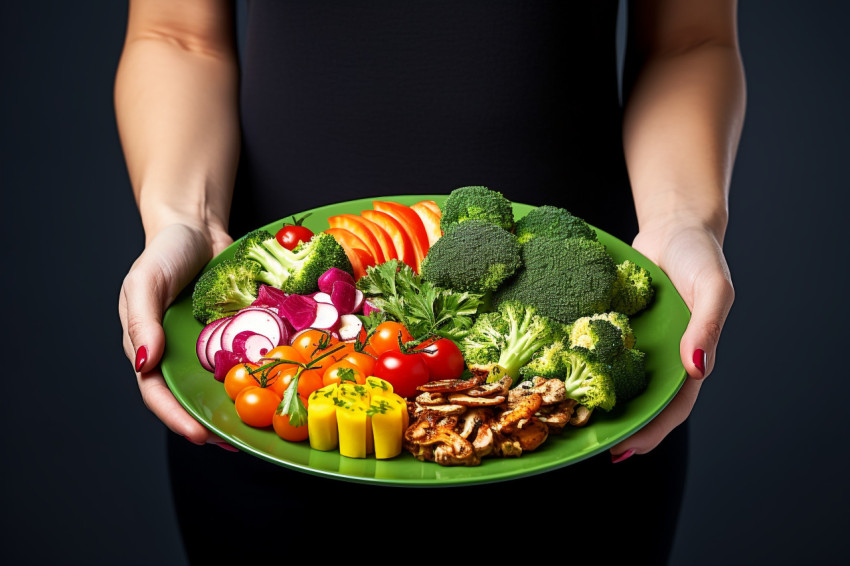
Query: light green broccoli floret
[(632, 289), (225, 289), (588, 381)]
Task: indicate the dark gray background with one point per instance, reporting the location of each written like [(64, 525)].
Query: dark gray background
[(83, 469)]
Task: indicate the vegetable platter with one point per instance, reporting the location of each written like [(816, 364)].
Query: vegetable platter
[(658, 328)]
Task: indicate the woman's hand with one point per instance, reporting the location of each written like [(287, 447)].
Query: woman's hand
[(172, 257), (692, 256)]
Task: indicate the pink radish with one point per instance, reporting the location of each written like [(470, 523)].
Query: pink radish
[(251, 345), (322, 298), (331, 276), (368, 308), (358, 300), (214, 343), (349, 327), (343, 295), (225, 360), (327, 317), (203, 340), (256, 319), (299, 310)]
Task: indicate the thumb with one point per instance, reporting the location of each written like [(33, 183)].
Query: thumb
[(711, 300)]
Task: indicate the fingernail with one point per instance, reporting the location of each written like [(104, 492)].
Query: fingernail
[(699, 360), (141, 357), (625, 455), (226, 446)]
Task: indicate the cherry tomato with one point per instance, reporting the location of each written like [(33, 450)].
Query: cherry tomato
[(444, 358), (404, 371), (286, 353), (288, 432), (309, 381), (313, 343), (385, 337), (337, 371), (256, 406), (238, 378), (362, 360), (293, 234)]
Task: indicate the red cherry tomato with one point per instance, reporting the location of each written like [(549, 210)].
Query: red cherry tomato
[(444, 358), (385, 337), (293, 234), (404, 371)]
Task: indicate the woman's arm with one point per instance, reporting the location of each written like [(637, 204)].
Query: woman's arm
[(176, 105), (685, 99)]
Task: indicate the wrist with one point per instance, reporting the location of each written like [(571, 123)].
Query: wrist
[(159, 215), (676, 214)]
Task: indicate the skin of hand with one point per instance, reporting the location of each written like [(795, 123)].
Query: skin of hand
[(685, 107), (176, 95)]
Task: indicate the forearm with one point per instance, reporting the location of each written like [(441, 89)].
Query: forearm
[(681, 129), (177, 112)]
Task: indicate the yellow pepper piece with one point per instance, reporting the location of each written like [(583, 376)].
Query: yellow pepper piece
[(322, 419), (353, 421), (388, 415), (378, 386)]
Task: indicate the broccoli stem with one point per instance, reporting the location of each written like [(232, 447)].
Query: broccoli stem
[(521, 345)]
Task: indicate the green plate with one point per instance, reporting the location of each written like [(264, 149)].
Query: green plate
[(658, 331)]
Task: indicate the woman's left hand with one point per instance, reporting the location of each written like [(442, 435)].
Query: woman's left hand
[(692, 256)]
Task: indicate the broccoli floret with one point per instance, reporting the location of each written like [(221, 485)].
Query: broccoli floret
[(295, 271), (552, 222), (223, 290), (628, 371), (473, 256), (621, 321), (563, 279), (508, 338), (548, 363), (587, 380), (632, 289), (468, 203), (597, 335)]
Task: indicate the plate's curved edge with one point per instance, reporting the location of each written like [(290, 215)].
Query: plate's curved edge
[(419, 482)]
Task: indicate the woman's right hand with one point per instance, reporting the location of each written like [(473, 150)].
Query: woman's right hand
[(172, 257)]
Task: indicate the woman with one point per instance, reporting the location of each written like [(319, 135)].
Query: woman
[(341, 101)]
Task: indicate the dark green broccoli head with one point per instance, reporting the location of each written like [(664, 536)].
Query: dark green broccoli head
[(563, 279), (548, 363), (632, 289), (628, 371), (470, 203), (552, 222), (587, 380), (473, 256), (621, 321), (223, 290), (597, 335)]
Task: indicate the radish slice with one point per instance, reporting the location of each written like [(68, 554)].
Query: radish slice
[(327, 317), (331, 276), (343, 296), (225, 360), (358, 300), (203, 340), (349, 327), (214, 344), (258, 320), (299, 310), (251, 345), (369, 308), (322, 298)]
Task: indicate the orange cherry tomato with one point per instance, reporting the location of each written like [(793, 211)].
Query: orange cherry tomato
[(286, 353), (256, 406), (340, 370), (385, 337), (288, 432), (312, 343), (309, 381), (363, 361), (238, 378)]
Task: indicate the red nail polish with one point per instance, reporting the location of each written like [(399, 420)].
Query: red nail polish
[(226, 446), (625, 455), (141, 357), (699, 360)]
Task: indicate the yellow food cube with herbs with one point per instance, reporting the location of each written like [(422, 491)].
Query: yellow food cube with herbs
[(378, 386), (353, 420), (388, 412), (322, 418)]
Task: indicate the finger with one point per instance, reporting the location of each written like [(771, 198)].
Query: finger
[(653, 433), (159, 399), (143, 292), (712, 298)]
